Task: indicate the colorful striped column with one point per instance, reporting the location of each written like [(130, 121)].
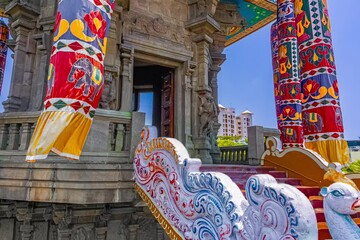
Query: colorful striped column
[(322, 118), (75, 80), (275, 65), (4, 36), (289, 77)]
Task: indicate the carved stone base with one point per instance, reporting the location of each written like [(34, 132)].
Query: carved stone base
[(47, 221), (12, 104), (202, 149)]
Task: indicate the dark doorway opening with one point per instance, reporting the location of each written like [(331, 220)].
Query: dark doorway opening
[(153, 94)]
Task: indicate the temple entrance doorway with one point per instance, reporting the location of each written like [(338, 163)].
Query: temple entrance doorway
[(153, 94)]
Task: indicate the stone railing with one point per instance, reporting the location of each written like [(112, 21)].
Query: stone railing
[(109, 127), (103, 174), (234, 155)]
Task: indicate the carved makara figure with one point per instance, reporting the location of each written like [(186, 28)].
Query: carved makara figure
[(341, 200)]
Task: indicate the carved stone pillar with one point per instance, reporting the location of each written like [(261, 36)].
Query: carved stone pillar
[(110, 98), (42, 59), (4, 134), (133, 229), (101, 228), (203, 26), (62, 217), (25, 136), (100, 233), (127, 55), (189, 70), (24, 212), (23, 22), (217, 59), (14, 137)]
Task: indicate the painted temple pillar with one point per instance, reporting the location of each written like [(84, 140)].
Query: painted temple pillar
[(202, 23), (23, 24), (322, 117), (289, 78), (275, 64)]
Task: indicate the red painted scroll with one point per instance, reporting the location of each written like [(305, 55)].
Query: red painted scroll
[(4, 36), (289, 78), (321, 112), (75, 79)]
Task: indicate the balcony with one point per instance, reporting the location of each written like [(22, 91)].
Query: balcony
[(102, 175)]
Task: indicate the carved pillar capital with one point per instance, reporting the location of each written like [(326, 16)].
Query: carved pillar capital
[(201, 8), (228, 16)]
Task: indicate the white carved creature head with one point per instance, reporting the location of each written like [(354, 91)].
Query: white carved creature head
[(341, 198)]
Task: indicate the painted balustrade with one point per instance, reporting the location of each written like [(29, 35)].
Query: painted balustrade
[(190, 204), (234, 155)]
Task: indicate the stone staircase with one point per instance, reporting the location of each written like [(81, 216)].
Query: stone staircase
[(240, 174)]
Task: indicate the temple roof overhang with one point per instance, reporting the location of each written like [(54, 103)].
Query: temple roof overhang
[(257, 13)]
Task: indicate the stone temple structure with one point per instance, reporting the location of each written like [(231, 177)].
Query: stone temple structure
[(170, 49)]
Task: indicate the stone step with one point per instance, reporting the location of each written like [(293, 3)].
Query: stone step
[(319, 212), (309, 190), (242, 177), (323, 231), (234, 168), (316, 201), (291, 181)]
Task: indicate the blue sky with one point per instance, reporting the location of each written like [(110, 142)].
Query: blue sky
[(245, 81)]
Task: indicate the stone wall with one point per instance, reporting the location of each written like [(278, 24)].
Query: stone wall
[(43, 221)]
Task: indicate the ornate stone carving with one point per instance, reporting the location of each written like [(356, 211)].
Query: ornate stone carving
[(227, 14), (190, 204), (159, 25), (63, 217), (108, 98), (82, 232), (201, 8), (208, 113), (155, 27)]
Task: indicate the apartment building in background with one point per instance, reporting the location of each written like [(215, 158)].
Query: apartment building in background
[(232, 124)]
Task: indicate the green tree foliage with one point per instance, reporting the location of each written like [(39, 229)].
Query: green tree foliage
[(354, 167), (229, 141)]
